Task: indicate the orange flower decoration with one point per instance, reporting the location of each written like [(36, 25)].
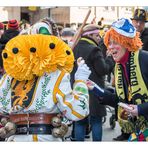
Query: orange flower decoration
[(26, 56)]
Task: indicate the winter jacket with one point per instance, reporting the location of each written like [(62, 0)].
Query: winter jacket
[(144, 39), (8, 34), (99, 67)]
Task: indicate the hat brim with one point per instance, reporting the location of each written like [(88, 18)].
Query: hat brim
[(138, 19)]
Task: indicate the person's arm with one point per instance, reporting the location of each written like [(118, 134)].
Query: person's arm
[(105, 96), (74, 103)]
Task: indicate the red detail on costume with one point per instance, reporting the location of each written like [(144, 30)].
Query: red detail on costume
[(141, 137), (124, 59), (123, 62), (1, 126)]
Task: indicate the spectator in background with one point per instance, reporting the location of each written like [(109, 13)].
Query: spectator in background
[(1, 63), (12, 31), (1, 29), (60, 28), (67, 35), (23, 25), (45, 26), (100, 24), (5, 23), (88, 49), (139, 19)]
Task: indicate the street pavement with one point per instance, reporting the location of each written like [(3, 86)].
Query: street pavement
[(108, 133)]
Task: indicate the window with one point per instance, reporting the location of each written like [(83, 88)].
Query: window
[(106, 8), (113, 8)]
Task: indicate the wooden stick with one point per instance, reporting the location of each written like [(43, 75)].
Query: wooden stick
[(77, 36)]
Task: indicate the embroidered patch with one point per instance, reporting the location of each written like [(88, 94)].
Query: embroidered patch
[(22, 92)]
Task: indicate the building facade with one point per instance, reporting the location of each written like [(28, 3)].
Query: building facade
[(66, 16)]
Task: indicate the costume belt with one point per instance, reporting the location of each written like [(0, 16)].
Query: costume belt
[(25, 119), (34, 129), (39, 123)]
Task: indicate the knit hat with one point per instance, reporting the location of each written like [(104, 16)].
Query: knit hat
[(90, 29), (51, 23), (124, 33), (13, 24), (140, 14), (68, 32), (124, 27), (1, 25)]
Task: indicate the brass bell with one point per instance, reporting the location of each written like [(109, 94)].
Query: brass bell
[(124, 115), (60, 131), (56, 132), (10, 128), (64, 129), (4, 121), (56, 121), (2, 132)]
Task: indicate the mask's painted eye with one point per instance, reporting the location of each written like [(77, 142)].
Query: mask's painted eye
[(15, 50), (44, 30), (51, 45), (5, 55), (68, 52), (32, 49)]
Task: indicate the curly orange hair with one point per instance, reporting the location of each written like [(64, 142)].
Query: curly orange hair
[(131, 44)]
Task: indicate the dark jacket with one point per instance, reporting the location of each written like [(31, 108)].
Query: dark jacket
[(112, 99), (8, 34), (104, 51), (99, 67), (144, 39)]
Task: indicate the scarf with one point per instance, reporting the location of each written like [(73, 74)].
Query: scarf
[(133, 93)]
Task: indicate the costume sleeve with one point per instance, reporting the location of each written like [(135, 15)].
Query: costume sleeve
[(107, 98), (73, 103), (143, 109), (110, 99)]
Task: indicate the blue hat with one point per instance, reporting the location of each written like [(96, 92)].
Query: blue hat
[(124, 27)]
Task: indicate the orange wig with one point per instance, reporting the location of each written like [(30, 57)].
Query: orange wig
[(131, 44)]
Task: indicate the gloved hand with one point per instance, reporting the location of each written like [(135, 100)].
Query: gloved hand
[(97, 90), (83, 71)]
